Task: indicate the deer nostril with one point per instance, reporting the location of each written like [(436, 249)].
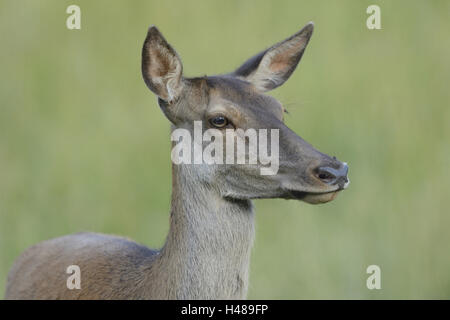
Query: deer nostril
[(326, 174)]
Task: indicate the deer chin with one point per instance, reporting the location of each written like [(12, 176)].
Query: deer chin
[(314, 198)]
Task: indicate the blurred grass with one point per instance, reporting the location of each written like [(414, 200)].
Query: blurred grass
[(83, 145)]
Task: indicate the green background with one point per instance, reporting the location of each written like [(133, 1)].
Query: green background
[(84, 146)]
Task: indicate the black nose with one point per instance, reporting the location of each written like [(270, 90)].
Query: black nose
[(333, 176)]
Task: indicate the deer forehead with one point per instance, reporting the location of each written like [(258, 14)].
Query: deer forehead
[(245, 102)]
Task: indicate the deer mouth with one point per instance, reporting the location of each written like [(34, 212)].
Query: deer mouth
[(314, 197)]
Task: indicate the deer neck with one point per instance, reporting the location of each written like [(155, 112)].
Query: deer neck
[(207, 251)]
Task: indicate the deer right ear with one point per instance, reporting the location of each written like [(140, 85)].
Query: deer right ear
[(161, 66), (272, 67)]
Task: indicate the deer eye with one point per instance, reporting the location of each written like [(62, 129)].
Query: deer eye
[(219, 121)]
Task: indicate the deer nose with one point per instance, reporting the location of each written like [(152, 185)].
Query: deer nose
[(332, 176)]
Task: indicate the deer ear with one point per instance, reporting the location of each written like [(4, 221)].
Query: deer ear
[(161, 66), (272, 67)]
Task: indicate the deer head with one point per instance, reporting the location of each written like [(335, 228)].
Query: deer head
[(232, 104)]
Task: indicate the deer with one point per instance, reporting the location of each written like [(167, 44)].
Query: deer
[(206, 254)]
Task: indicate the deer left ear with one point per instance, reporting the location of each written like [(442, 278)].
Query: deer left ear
[(272, 67), (161, 66)]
